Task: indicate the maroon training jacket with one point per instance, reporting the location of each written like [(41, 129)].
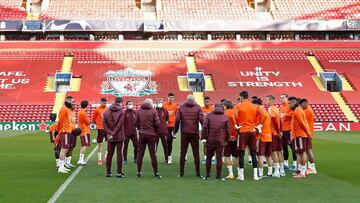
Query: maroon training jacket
[(113, 121), (147, 121), (216, 128), (189, 116), (129, 123), (163, 117)]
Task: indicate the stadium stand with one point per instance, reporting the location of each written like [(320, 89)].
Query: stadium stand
[(108, 36), (207, 10), (252, 36), (356, 109), (322, 9), (277, 36), (223, 36), (345, 62), (280, 10), (194, 37), (12, 10), (25, 113), (164, 37), (341, 36), (312, 36), (167, 64), (94, 9), (187, 10)]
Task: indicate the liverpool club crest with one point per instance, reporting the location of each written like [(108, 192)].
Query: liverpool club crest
[(129, 82)]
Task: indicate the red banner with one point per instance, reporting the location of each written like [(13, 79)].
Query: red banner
[(336, 126)]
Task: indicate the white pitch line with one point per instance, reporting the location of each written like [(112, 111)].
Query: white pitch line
[(69, 179)]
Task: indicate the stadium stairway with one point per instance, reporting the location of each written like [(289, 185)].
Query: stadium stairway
[(67, 63), (316, 65), (183, 82), (345, 83), (318, 83), (209, 84), (191, 64), (74, 85), (60, 97), (345, 108), (199, 98), (59, 101), (49, 85), (318, 69), (191, 68)]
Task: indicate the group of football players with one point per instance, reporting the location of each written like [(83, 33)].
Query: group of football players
[(254, 125)]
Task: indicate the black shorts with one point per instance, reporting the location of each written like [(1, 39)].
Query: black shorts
[(286, 138), (231, 149), (101, 135)]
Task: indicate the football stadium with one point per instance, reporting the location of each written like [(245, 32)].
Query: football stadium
[(179, 100)]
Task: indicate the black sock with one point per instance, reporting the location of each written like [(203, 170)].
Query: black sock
[(241, 158), (286, 152), (254, 159)]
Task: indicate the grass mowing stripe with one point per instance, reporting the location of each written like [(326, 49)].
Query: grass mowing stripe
[(338, 160), (29, 175), (33, 178), (6, 134), (332, 184), (68, 181), (344, 137)]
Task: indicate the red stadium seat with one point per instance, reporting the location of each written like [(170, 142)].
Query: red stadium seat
[(94, 10), (12, 10)]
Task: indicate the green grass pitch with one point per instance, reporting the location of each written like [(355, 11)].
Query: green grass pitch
[(27, 174)]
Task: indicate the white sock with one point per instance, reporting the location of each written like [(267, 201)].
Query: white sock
[(61, 164), (213, 158), (286, 163), (105, 155), (99, 155), (270, 170), (312, 166), (230, 169), (277, 168), (261, 172), (255, 172), (240, 172), (282, 167), (81, 158), (302, 169), (204, 157), (66, 160), (295, 163), (69, 160), (250, 158)]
